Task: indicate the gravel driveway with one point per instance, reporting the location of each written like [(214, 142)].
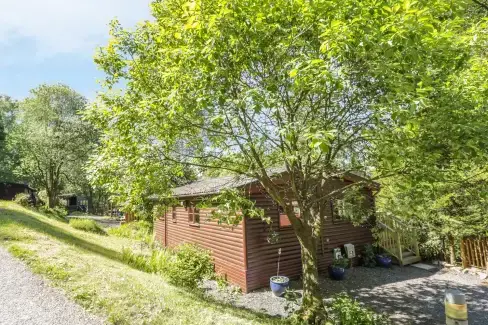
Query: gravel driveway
[(26, 299), (409, 295)]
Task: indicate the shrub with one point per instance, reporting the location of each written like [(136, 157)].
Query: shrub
[(57, 212), (87, 225), (137, 261), (139, 230), (343, 310), (189, 266), (368, 256), (22, 199), (186, 265)]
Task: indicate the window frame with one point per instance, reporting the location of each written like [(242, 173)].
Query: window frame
[(193, 214), (282, 224), (173, 214)]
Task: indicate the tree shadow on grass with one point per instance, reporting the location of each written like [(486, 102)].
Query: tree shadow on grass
[(10, 216)]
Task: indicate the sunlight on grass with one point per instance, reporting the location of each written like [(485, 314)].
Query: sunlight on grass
[(89, 268)]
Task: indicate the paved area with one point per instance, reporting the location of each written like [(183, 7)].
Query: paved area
[(411, 296), (25, 299)]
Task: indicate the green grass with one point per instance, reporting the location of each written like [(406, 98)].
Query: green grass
[(89, 267), (87, 225), (140, 230)]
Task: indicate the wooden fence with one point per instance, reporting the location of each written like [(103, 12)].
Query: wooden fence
[(474, 252)]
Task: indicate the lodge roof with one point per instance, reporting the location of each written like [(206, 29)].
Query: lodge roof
[(18, 184), (209, 186)]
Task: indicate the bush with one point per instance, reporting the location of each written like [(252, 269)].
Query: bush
[(343, 310), (139, 230), (368, 256), (189, 266), (137, 261), (22, 199), (186, 265), (57, 212), (87, 225)]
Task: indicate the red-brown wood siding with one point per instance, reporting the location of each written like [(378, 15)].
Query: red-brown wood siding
[(226, 243), (250, 265), (262, 257)]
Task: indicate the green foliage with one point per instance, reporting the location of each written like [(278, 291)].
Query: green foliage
[(8, 154), (56, 212), (50, 138), (186, 265), (230, 206), (222, 282), (87, 225), (22, 199), (137, 261), (368, 256), (189, 266), (317, 87), (344, 310), (341, 262), (139, 230)]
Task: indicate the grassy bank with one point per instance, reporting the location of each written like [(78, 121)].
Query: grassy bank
[(89, 268)]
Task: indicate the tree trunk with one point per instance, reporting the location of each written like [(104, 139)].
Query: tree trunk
[(452, 253), (312, 310), (90, 201)]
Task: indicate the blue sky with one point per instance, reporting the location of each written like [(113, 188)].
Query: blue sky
[(53, 41)]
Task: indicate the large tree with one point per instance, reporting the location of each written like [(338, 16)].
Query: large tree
[(8, 113), (50, 137), (321, 88)]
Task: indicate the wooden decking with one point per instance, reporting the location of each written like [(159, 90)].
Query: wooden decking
[(399, 239)]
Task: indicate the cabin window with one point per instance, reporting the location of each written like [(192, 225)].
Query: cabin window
[(284, 220), (342, 210), (193, 214), (173, 214)]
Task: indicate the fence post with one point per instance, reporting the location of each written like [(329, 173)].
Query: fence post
[(464, 257), (399, 247)]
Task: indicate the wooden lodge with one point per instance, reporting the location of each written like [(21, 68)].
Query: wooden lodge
[(8, 190), (243, 253)]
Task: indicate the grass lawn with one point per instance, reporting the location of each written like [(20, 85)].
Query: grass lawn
[(88, 267)]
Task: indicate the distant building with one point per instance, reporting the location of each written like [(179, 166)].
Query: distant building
[(74, 202), (8, 190)]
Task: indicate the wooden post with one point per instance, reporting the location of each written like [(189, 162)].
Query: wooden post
[(452, 254), (399, 247), (416, 243), (464, 256)]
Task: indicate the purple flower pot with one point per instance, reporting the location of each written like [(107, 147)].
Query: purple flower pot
[(336, 273), (279, 284), (383, 261)]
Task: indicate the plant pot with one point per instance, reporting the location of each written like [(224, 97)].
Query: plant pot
[(383, 261), (279, 284), (337, 273)]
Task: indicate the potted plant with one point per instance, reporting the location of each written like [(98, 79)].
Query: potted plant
[(383, 260), (279, 283), (337, 270)]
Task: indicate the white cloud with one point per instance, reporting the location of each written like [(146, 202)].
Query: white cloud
[(65, 26)]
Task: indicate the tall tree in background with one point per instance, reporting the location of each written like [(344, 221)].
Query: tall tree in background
[(321, 88), (8, 113), (50, 137)]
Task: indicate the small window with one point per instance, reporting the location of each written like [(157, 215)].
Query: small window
[(193, 214), (342, 210), (284, 220), (173, 214)]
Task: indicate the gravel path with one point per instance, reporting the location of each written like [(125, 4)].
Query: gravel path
[(409, 295), (26, 299)]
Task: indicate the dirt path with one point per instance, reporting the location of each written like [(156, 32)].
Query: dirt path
[(26, 299)]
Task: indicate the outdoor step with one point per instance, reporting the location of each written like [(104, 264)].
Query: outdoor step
[(411, 260), (406, 254)]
